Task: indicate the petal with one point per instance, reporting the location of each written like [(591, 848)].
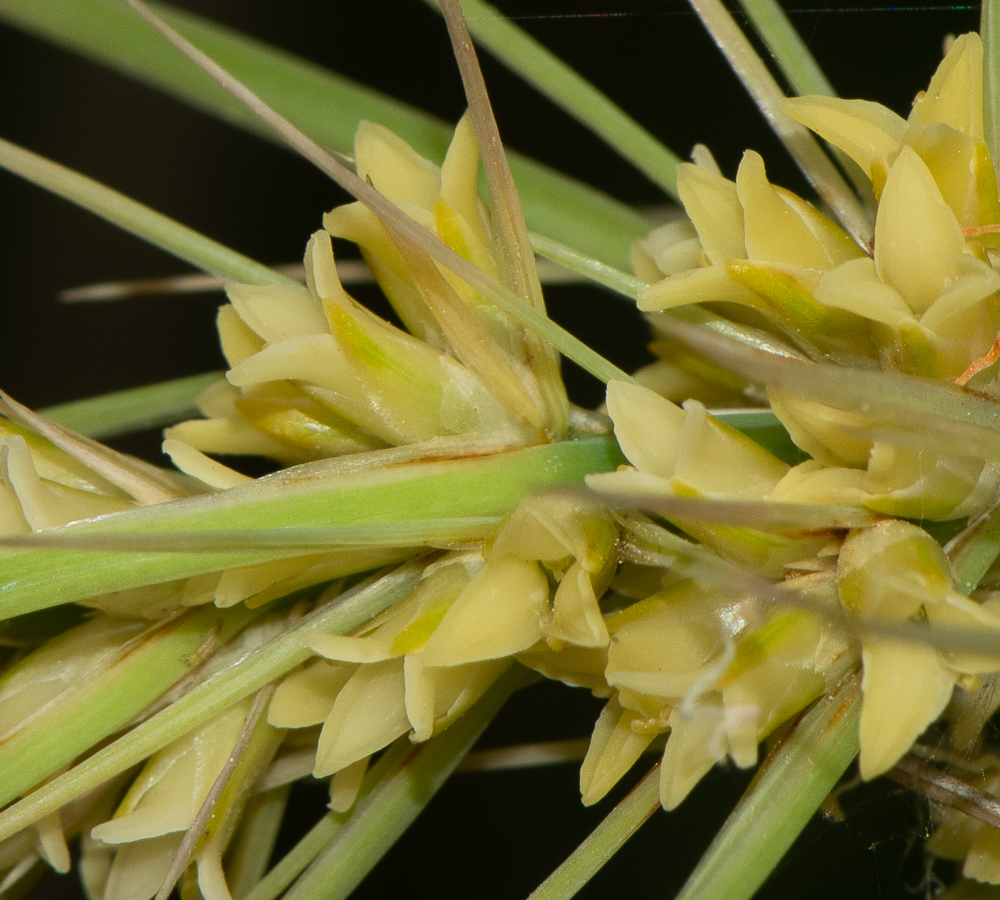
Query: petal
[(614, 748), (695, 286), (904, 687), (689, 755), (713, 206), (500, 613), (781, 228), (647, 427), (576, 617), (916, 234), (955, 94), (856, 287), (867, 132), (367, 715), (394, 167)]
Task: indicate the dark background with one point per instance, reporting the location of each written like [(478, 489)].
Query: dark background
[(486, 835)]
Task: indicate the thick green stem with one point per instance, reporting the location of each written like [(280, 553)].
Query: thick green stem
[(241, 679), (782, 798), (399, 798), (486, 486), (575, 95), (989, 31)]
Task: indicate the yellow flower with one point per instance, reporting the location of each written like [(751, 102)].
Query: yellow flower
[(893, 573), (686, 452), (718, 673)]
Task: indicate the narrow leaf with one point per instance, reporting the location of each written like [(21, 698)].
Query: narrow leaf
[(932, 415), (134, 217), (575, 95), (391, 216), (142, 480), (327, 106), (416, 533), (783, 797), (604, 841), (803, 147), (490, 486), (399, 798), (206, 701), (790, 52), (133, 409), (989, 31), (516, 260)]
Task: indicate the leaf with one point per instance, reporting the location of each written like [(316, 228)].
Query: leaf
[(568, 90), (133, 409), (325, 105), (160, 230), (139, 479), (802, 146), (391, 216), (788, 789), (294, 498), (201, 704)]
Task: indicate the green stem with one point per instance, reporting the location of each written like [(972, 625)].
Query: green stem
[(790, 52), (783, 797), (801, 145), (325, 105), (100, 704), (299, 858), (380, 819), (478, 487), (974, 550), (989, 31), (604, 842), (250, 853), (241, 679), (137, 218)]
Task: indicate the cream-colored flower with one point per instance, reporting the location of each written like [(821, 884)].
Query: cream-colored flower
[(715, 673), (889, 574), (314, 374), (686, 452), (521, 370)]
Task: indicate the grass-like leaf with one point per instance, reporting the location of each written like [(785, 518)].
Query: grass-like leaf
[(989, 30), (803, 147), (572, 93), (790, 52), (489, 486), (206, 701), (324, 105), (787, 791), (135, 217), (133, 409), (934, 416), (400, 796), (104, 701), (604, 841)]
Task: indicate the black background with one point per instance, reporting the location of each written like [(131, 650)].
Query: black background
[(485, 835)]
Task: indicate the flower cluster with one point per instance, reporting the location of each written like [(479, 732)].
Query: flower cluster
[(707, 586)]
